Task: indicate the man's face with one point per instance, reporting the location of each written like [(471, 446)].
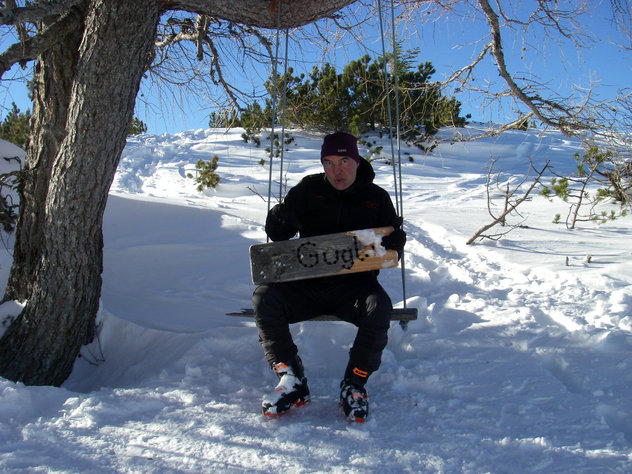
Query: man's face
[(341, 171)]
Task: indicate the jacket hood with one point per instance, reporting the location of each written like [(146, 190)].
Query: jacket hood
[(366, 174)]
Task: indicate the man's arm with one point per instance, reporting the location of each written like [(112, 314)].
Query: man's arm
[(282, 222)]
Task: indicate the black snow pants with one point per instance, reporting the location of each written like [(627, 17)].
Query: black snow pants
[(358, 299)]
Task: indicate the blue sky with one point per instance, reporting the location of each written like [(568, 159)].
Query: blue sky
[(448, 43)]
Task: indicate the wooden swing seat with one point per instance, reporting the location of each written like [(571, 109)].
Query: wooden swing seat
[(399, 314)]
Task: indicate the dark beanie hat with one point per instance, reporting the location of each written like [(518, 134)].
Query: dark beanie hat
[(340, 144)]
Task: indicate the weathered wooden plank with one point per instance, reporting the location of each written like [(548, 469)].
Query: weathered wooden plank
[(323, 255)]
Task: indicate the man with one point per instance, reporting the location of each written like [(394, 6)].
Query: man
[(342, 198)]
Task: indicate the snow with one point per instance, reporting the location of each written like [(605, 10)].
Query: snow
[(520, 361)]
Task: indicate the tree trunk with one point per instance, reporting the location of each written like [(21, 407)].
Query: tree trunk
[(40, 346), (52, 79), (84, 101)]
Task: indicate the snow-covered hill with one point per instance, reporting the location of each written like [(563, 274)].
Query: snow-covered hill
[(520, 361)]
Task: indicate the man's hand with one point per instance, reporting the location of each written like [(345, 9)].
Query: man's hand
[(395, 241), (285, 216)]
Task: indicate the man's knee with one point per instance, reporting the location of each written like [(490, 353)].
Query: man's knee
[(266, 303), (379, 309), (258, 297)]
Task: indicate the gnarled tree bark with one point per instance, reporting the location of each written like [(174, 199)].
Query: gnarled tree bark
[(40, 346)]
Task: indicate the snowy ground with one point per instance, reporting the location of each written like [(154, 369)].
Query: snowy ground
[(519, 362)]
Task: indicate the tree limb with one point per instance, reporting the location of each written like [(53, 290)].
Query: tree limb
[(202, 23), (466, 70), (261, 13), (509, 208), (35, 11), (32, 47), (497, 52), (568, 127)]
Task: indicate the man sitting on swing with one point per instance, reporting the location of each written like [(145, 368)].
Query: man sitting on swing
[(343, 198)]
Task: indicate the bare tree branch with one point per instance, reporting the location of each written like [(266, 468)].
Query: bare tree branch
[(463, 74), (21, 29), (30, 48), (566, 126), (216, 45), (509, 206), (202, 23), (35, 11), (493, 132), (622, 18), (261, 13)]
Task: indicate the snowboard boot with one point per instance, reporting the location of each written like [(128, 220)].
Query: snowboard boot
[(290, 391), (354, 401)]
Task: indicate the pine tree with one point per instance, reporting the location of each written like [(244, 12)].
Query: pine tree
[(15, 127), (205, 175), (355, 100), (137, 127)]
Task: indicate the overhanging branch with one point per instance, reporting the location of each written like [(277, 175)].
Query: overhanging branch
[(35, 11), (261, 13), (567, 125), (36, 45)]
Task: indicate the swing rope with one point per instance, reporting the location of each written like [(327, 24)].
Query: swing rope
[(397, 163), (275, 96), (274, 104), (396, 83), (388, 107), (283, 103)]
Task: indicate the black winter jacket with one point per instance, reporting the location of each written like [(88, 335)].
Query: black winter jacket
[(317, 208)]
